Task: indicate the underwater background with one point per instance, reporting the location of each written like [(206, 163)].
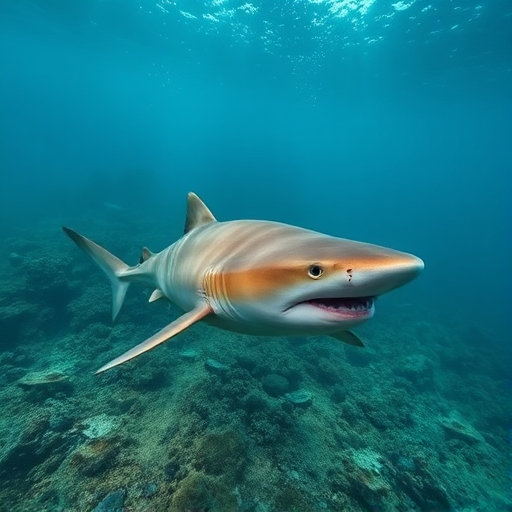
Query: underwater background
[(380, 121)]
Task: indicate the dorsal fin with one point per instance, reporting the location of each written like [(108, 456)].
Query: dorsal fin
[(198, 213), (145, 255)]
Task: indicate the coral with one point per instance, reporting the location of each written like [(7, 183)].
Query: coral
[(201, 493), (14, 317), (150, 376), (357, 357), (254, 402), (263, 431), (37, 452), (381, 434), (94, 457), (424, 491), (221, 453), (275, 385), (149, 490), (368, 460), (246, 362), (291, 498), (193, 493), (327, 372), (11, 374), (98, 426), (47, 276), (89, 307), (113, 502), (419, 369)]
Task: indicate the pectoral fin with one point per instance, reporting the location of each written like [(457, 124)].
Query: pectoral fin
[(347, 337), (157, 294), (180, 324)]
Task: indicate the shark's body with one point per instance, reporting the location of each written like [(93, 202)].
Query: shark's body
[(258, 277)]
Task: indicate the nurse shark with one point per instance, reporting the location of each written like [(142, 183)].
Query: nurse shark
[(257, 277)]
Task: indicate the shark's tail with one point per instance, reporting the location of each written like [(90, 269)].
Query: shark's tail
[(112, 266)]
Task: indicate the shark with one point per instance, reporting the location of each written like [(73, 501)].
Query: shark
[(257, 277)]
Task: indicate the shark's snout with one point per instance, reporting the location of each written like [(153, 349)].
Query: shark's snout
[(386, 275), (413, 268)]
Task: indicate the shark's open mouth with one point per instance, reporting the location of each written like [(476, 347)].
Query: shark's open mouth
[(346, 306)]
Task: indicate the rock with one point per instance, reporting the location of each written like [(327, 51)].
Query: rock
[(45, 383), (42, 379), (15, 259), (301, 397), (112, 502), (246, 362), (275, 385), (189, 354), (456, 427), (339, 393), (214, 366)]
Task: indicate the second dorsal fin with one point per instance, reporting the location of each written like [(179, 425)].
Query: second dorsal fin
[(145, 255), (198, 213)]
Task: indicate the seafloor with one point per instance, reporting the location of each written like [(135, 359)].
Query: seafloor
[(220, 422)]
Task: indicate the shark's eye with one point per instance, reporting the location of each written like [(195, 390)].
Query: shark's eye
[(315, 271)]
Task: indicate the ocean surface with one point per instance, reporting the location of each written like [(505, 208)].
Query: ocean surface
[(379, 121)]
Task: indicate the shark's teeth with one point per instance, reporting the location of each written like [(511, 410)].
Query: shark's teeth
[(344, 303)]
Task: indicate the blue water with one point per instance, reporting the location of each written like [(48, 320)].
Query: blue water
[(387, 122)]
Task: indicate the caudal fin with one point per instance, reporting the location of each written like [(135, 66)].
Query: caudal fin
[(112, 266)]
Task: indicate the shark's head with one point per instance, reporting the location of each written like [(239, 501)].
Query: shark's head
[(315, 283), (339, 286)]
